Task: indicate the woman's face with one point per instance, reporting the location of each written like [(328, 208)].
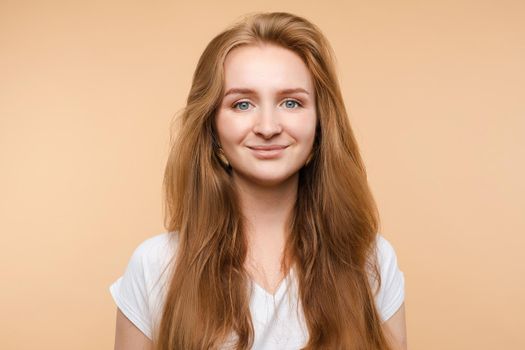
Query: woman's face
[(267, 118)]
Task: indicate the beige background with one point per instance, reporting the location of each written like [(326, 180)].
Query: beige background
[(435, 90)]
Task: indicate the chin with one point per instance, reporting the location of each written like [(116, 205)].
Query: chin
[(267, 178)]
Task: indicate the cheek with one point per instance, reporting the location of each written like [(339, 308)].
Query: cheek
[(231, 130), (303, 130)]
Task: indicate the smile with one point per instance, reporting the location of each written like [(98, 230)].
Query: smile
[(268, 152)]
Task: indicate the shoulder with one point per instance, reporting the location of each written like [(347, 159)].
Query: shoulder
[(385, 251), (139, 292), (152, 257), (391, 292), (155, 249)]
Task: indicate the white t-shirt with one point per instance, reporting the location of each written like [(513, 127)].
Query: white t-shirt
[(277, 321)]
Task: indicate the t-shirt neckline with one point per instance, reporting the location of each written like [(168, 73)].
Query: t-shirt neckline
[(280, 288)]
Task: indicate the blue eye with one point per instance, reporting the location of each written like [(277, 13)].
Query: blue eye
[(293, 101), (289, 104), (246, 103)]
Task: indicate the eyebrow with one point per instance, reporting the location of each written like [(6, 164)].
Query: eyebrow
[(251, 91)]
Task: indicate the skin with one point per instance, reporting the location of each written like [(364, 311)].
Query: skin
[(266, 116), (267, 186), (128, 336), (395, 326)]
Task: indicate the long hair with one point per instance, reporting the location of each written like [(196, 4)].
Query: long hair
[(332, 227)]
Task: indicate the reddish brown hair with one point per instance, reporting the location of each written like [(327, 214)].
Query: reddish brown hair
[(332, 228)]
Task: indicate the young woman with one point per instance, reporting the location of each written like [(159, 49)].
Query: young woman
[(272, 238)]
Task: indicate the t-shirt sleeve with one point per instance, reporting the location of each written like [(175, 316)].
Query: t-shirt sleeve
[(130, 291), (391, 294)]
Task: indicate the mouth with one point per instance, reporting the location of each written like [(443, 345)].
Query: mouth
[(268, 152), (268, 147)]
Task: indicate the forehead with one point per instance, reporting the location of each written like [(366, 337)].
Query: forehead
[(265, 67)]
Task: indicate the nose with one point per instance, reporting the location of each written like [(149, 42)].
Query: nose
[(267, 124)]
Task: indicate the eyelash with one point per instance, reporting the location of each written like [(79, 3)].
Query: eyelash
[(299, 104)]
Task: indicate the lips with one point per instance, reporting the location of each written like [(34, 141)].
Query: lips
[(268, 151), (268, 148)]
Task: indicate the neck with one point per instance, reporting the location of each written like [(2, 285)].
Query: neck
[(266, 209)]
